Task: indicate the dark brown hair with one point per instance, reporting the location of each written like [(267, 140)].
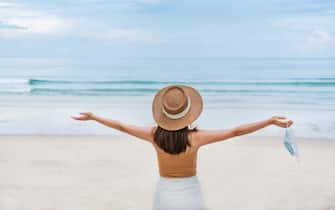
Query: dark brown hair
[(172, 142)]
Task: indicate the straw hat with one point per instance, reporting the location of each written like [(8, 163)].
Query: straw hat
[(176, 106)]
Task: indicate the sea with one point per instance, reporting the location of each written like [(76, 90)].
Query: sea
[(38, 95)]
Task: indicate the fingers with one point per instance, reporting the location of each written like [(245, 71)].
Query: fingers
[(285, 124), (281, 117), (289, 123), (82, 116), (75, 118)]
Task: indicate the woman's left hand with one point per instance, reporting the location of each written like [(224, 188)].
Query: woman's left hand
[(84, 116), (281, 121)]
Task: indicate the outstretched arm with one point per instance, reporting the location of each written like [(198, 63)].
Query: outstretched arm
[(145, 133), (210, 136)]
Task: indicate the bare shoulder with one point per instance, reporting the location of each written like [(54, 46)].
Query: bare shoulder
[(142, 132), (194, 136), (202, 137), (152, 131)]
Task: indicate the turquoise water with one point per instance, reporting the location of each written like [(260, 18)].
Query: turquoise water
[(38, 95), (143, 87)]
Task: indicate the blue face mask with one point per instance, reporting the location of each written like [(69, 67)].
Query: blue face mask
[(289, 143)]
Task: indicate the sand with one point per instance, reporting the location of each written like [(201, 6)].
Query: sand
[(114, 173)]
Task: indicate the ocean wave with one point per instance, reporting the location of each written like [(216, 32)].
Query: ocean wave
[(110, 87), (39, 82), (14, 86), (92, 91), (316, 82), (14, 81), (145, 91)]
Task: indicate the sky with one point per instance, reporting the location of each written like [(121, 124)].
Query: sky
[(167, 28)]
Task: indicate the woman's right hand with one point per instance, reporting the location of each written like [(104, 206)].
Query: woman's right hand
[(84, 116), (281, 121)]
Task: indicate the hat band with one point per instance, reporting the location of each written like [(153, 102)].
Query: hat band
[(180, 114)]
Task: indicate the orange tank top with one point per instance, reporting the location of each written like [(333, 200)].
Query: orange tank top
[(180, 165)]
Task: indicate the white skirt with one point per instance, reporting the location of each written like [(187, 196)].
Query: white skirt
[(178, 194)]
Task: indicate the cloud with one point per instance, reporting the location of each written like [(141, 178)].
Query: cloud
[(303, 22), (307, 34), (319, 36), (115, 34), (41, 25), (8, 26), (149, 1), (18, 22), (5, 4), (93, 29)]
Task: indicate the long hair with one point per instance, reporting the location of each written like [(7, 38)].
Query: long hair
[(172, 142)]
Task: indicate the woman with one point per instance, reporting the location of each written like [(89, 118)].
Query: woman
[(174, 108)]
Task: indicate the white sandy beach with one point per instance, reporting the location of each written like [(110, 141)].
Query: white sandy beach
[(114, 173)]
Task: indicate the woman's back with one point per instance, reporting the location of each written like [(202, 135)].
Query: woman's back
[(180, 165)]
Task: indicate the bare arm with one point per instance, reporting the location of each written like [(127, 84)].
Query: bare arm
[(210, 136), (145, 133)]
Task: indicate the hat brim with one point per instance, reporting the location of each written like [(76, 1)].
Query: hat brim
[(175, 124)]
